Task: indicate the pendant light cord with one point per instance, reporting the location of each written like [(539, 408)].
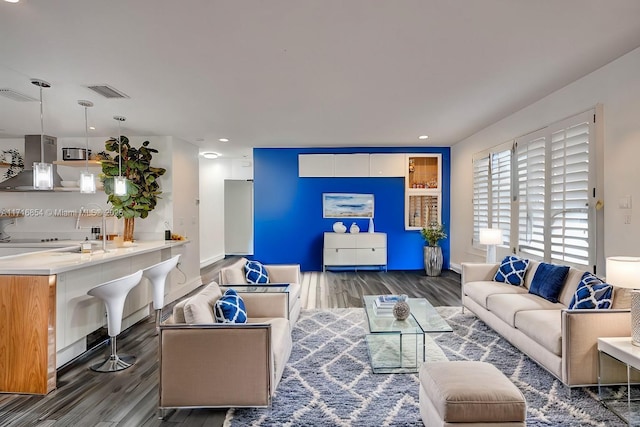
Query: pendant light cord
[(86, 137), (41, 128)]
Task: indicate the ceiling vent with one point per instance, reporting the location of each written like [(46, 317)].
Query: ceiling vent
[(16, 96), (107, 91)]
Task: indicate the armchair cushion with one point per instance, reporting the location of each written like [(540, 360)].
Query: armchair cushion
[(229, 308), (199, 308), (255, 272)]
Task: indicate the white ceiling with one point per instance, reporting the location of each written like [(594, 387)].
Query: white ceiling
[(298, 73)]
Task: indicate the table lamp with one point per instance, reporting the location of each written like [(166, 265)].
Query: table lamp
[(624, 272), (491, 237)]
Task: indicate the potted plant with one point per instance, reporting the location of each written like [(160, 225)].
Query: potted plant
[(143, 188), (432, 251)]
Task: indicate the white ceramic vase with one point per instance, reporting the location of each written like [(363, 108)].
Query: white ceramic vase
[(339, 227), (354, 228)]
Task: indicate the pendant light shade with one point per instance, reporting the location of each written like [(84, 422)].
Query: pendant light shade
[(119, 182), (87, 179), (42, 172)]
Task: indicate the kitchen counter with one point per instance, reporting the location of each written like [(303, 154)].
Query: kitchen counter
[(46, 261), (47, 317)]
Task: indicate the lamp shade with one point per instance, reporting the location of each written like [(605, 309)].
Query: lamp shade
[(491, 236), (624, 271)]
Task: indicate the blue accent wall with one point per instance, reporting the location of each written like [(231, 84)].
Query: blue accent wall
[(288, 222)]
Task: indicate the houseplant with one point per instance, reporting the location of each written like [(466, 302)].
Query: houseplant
[(143, 188), (432, 251)]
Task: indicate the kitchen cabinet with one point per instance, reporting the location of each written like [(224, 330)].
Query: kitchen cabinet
[(354, 250), (351, 165), (315, 165), (423, 190)]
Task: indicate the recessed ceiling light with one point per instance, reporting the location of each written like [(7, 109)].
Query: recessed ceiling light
[(223, 139), (210, 155), (92, 127), (12, 1), (423, 137)]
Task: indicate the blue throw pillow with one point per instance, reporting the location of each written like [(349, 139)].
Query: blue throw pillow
[(548, 281), (230, 308), (592, 293), (512, 270), (255, 272)]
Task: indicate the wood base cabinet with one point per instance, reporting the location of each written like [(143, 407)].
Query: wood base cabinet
[(354, 250), (27, 334)]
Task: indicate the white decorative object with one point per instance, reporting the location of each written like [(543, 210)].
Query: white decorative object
[(339, 227), (354, 228), (491, 237), (371, 229), (624, 272)]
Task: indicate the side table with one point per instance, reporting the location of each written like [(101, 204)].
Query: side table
[(622, 350)]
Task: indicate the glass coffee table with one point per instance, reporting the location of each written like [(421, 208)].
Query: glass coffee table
[(399, 346)]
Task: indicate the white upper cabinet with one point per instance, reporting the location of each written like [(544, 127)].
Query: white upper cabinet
[(351, 165), (387, 164), (315, 165)]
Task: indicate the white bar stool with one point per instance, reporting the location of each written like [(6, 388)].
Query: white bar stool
[(114, 293), (157, 275)]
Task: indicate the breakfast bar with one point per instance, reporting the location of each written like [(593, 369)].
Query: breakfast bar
[(46, 316)]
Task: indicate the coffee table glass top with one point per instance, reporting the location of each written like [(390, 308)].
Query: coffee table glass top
[(423, 318)]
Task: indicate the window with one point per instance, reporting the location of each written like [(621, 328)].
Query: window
[(492, 191), (553, 184)]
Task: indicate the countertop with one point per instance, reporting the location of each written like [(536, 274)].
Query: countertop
[(59, 260)]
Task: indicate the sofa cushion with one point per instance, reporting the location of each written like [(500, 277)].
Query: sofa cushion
[(480, 291), (542, 326), (233, 274), (230, 308), (621, 298), (178, 311), (199, 308), (548, 281), (506, 306), (255, 272), (592, 293), (512, 270)]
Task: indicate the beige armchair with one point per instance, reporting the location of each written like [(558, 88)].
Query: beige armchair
[(234, 274), (221, 365)]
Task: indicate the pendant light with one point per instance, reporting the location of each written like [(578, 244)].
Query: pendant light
[(87, 180), (42, 172), (119, 182)]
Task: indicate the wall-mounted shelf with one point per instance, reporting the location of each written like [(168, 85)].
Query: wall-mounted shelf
[(78, 163)]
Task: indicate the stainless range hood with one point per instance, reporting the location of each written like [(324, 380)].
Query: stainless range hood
[(32, 154)]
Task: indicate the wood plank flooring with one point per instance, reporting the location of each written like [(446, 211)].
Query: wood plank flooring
[(129, 398)]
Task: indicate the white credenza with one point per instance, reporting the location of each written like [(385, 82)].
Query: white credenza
[(354, 250)]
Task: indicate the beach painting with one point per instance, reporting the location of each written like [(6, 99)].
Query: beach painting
[(347, 205)]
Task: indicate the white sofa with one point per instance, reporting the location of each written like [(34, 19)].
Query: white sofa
[(221, 365), (234, 274), (561, 340)]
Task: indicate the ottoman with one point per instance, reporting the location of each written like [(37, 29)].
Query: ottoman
[(469, 394)]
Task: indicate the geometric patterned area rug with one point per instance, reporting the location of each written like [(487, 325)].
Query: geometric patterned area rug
[(328, 380)]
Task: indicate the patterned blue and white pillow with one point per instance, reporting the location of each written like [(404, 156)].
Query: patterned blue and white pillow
[(512, 270), (255, 272), (230, 308), (592, 293)]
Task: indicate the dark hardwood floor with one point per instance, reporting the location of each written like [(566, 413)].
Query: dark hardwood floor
[(129, 398)]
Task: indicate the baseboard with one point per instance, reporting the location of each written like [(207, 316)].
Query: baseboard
[(207, 262), (455, 267)]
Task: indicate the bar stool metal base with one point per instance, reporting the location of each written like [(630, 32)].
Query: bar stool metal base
[(114, 363)]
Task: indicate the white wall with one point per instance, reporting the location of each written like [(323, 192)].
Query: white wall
[(617, 87), (213, 172)]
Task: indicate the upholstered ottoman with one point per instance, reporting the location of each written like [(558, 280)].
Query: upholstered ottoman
[(469, 394)]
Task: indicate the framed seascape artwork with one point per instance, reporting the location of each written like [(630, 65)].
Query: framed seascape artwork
[(347, 205)]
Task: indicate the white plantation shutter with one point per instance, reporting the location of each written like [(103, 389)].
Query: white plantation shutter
[(554, 179), (569, 194), (492, 191), (501, 193), (531, 194), (480, 196)]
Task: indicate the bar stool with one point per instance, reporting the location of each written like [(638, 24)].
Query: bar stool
[(157, 275), (114, 293)]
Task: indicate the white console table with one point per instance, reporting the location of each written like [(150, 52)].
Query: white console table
[(354, 250)]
